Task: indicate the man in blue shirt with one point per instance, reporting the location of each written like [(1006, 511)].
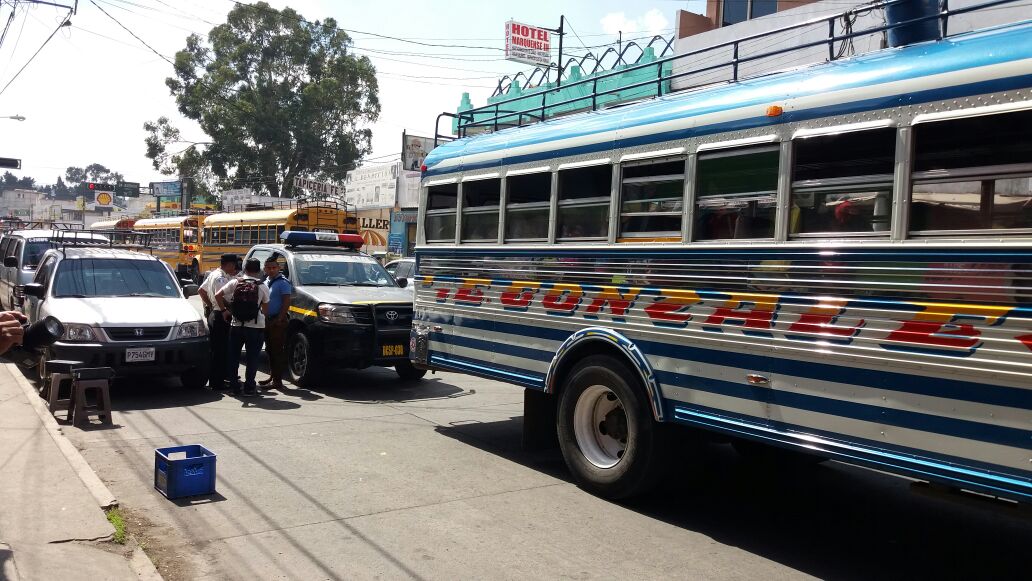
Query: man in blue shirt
[(280, 291)]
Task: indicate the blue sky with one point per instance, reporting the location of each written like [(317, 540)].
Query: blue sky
[(86, 95)]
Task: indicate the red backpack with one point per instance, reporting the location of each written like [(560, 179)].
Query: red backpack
[(245, 300)]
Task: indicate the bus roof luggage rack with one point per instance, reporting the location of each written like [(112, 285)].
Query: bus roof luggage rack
[(112, 238), (901, 30)]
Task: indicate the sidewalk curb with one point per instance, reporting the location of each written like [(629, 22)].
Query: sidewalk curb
[(89, 478)]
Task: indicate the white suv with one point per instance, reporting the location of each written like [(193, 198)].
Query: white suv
[(120, 309)]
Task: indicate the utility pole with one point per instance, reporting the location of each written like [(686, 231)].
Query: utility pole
[(559, 67)]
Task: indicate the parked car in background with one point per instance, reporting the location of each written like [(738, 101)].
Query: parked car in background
[(22, 251), (404, 268), (120, 309)]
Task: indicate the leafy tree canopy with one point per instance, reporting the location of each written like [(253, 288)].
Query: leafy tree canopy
[(278, 96)]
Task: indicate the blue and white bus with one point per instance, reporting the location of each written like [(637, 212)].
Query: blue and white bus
[(835, 260)]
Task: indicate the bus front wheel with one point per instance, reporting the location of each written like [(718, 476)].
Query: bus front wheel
[(195, 273), (607, 434)]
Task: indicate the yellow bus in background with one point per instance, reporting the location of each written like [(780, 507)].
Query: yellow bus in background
[(177, 241), (237, 232)]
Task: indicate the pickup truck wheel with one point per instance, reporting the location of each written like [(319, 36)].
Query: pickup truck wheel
[(409, 372), (302, 368)]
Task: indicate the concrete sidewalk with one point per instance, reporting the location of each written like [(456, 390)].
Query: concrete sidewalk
[(51, 523)]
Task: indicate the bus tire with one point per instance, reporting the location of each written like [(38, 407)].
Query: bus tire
[(195, 273), (300, 365), (409, 372), (609, 439)]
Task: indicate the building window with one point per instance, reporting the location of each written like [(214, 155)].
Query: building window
[(735, 11), (584, 195)]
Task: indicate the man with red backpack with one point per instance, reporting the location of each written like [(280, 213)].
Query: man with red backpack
[(245, 301)]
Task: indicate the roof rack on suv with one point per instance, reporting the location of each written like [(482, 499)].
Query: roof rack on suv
[(104, 238)]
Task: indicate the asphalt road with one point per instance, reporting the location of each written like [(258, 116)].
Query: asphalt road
[(371, 477)]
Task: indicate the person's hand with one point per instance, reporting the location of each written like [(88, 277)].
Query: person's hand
[(11, 331)]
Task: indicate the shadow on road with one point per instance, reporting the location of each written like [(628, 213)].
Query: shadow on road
[(381, 385), (832, 521)]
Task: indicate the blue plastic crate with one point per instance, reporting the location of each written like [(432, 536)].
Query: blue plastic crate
[(192, 475)]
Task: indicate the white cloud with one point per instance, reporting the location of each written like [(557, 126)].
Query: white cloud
[(652, 22)]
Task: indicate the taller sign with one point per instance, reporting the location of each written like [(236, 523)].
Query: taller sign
[(528, 44)]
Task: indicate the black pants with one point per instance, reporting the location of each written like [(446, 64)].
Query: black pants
[(219, 329)]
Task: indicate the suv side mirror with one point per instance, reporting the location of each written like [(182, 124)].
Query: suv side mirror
[(34, 289), (190, 290), (402, 282), (10, 262)]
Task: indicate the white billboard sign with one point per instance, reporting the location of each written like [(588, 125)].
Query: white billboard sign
[(528, 44), (374, 186), (317, 187)]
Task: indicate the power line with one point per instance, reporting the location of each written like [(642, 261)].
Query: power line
[(143, 42), (52, 34)]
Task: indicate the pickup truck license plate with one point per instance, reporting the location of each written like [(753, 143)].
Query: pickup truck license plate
[(138, 354), (393, 350)]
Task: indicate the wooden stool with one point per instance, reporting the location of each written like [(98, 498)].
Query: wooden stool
[(97, 379), (59, 371)]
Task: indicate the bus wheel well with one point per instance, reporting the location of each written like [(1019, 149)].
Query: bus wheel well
[(612, 344), (580, 352)]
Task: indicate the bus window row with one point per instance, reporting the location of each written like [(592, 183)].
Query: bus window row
[(967, 175), (243, 235)]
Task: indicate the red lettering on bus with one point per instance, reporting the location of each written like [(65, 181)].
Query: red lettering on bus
[(935, 326), (754, 312), (519, 295), (442, 295), (1026, 340), (822, 319), (563, 299), (671, 309), (469, 294), (619, 303)]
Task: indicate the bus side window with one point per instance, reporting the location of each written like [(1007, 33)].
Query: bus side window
[(279, 230), (584, 195), (736, 193), (652, 198), (527, 205), (263, 235), (230, 235), (480, 199), (254, 235), (842, 183), (440, 212), (973, 174)]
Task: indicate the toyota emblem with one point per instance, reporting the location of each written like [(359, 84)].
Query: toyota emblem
[(138, 332), (391, 315)]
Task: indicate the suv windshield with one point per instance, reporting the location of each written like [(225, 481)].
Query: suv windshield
[(34, 251), (113, 277), (340, 270)]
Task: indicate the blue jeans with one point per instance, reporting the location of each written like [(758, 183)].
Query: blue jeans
[(251, 338)]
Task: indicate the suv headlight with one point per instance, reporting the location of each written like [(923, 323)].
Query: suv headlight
[(191, 330), (77, 332), (338, 314)]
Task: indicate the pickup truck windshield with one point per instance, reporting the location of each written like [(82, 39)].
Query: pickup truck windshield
[(340, 270), (113, 277)]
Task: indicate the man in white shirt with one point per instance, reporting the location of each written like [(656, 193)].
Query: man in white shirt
[(217, 325), (244, 301)]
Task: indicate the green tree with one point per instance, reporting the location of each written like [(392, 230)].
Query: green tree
[(277, 95), (189, 163)]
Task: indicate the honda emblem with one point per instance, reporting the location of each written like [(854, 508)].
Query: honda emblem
[(138, 332)]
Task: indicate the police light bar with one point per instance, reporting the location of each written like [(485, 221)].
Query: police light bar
[(292, 238)]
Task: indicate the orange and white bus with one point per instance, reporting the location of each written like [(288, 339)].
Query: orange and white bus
[(236, 232)]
